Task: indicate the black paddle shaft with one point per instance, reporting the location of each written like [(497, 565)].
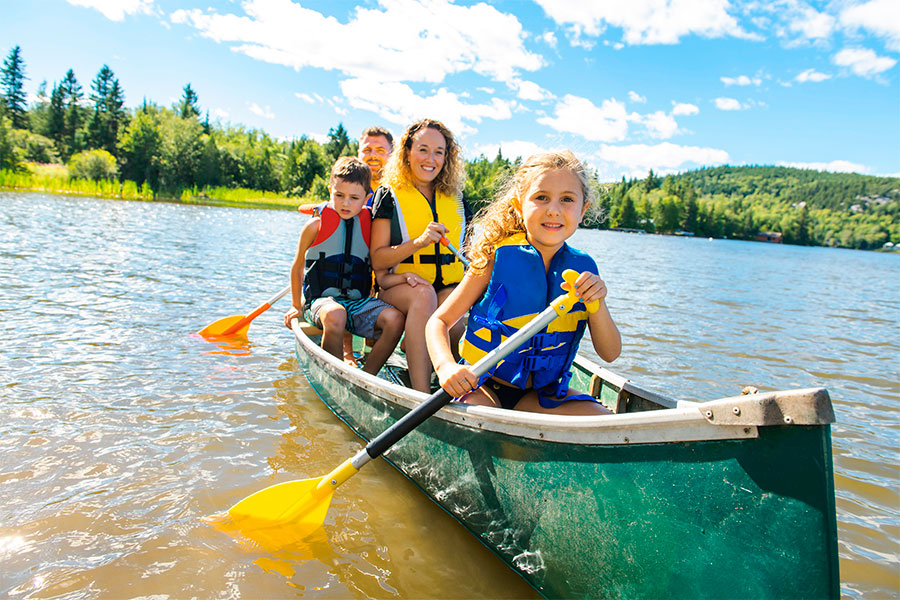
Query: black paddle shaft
[(407, 423)]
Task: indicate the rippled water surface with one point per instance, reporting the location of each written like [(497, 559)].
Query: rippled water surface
[(119, 430)]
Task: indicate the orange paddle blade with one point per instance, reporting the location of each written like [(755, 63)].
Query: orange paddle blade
[(219, 327)]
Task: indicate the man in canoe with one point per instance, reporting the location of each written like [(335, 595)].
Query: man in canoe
[(375, 147), (331, 277)]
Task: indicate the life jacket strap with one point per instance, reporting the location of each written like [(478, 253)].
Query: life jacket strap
[(442, 259)]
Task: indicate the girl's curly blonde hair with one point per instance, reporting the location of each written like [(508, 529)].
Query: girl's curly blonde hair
[(503, 217), (453, 174)]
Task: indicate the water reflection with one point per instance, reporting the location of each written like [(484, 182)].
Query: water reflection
[(120, 431)]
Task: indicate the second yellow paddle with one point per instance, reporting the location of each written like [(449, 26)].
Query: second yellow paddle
[(238, 324)]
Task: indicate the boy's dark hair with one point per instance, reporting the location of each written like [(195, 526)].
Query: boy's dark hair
[(351, 170), (376, 131)]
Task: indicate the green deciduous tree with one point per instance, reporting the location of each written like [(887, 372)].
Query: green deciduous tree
[(34, 147), (9, 156), (93, 164), (140, 148)]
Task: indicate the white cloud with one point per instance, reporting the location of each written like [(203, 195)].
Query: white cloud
[(424, 40), (836, 166), (606, 123), (811, 24), (881, 17), (309, 98), (741, 80), (259, 111), (117, 10), (646, 21), (728, 104), (660, 125), (549, 38), (511, 149), (219, 113), (635, 97), (863, 61), (529, 90), (660, 157), (683, 108), (811, 75), (398, 103)]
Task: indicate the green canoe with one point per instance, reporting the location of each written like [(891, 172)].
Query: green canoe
[(732, 498)]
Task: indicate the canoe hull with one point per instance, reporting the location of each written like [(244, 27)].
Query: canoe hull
[(751, 517)]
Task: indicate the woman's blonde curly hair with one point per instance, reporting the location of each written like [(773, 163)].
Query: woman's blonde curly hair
[(453, 174), (503, 217)]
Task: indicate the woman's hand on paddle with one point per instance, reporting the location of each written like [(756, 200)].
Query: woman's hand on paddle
[(457, 380), (432, 234), (289, 315), (590, 287)]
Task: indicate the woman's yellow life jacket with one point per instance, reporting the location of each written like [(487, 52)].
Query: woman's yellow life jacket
[(412, 214)]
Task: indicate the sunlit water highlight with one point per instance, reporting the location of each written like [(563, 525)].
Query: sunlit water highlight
[(120, 431)]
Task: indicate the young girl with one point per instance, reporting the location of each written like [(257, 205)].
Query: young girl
[(517, 266)]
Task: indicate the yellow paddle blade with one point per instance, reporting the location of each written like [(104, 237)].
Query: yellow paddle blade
[(299, 503), (280, 516), (221, 326)]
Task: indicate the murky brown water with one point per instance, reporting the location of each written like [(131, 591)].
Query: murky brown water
[(120, 431)]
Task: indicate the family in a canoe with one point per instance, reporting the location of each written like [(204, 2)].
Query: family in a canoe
[(424, 292)]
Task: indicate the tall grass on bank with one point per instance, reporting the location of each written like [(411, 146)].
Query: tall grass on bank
[(238, 197), (55, 179), (49, 180)]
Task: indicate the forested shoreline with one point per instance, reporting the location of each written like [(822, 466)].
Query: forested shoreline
[(88, 141)]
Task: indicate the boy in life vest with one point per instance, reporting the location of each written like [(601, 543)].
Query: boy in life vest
[(516, 271), (331, 277)]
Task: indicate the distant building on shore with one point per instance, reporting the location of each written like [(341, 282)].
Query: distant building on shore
[(773, 237)]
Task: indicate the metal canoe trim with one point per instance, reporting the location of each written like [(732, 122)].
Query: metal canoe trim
[(684, 423), (810, 406)]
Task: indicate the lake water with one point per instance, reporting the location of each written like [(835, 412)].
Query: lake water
[(119, 430)]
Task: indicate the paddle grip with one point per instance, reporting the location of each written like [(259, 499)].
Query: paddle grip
[(455, 250)]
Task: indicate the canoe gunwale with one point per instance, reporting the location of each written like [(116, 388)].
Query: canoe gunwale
[(685, 421)]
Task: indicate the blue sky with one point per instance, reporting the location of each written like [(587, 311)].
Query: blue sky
[(668, 85)]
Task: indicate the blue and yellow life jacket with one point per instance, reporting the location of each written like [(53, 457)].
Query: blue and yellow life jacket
[(519, 289), (337, 262), (412, 214)]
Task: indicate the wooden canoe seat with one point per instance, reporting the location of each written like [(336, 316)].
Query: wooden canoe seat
[(309, 329)]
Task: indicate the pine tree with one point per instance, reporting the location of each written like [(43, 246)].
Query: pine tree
[(338, 143), (56, 117), (72, 96), (109, 113), (13, 81), (187, 106)]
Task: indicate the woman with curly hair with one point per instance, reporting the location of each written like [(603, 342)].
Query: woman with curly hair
[(419, 203)]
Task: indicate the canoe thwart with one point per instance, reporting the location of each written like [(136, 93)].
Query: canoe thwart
[(595, 389), (796, 407)]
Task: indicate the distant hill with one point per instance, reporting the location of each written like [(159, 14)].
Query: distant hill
[(804, 206), (819, 189)]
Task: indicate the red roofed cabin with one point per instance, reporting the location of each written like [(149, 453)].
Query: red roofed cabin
[(772, 237)]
